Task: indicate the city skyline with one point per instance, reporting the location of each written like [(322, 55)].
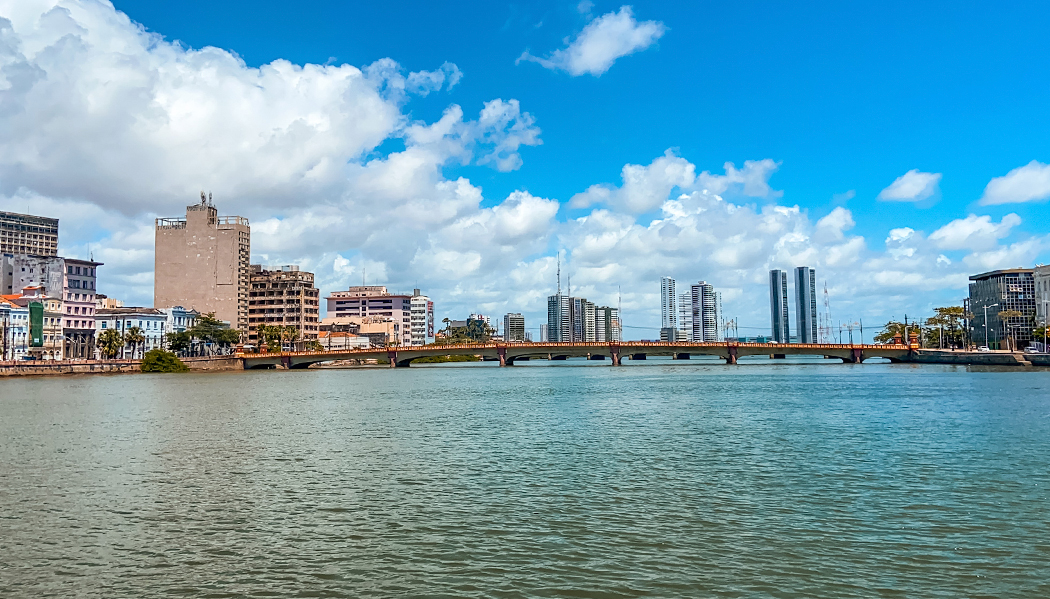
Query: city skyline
[(458, 174)]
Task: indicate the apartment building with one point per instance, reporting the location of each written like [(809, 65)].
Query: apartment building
[(27, 234), (284, 296)]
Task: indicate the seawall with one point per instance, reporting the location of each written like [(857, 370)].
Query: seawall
[(52, 368)]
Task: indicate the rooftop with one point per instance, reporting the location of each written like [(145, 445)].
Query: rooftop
[(998, 273)]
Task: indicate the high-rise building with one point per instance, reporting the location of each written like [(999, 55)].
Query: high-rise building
[(607, 324), (283, 296), (668, 297), (514, 328), (1010, 290), (367, 301), (27, 234), (1041, 278), (559, 318), (685, 316), (778, 305), (806, 304), (544, 337), (422, 326), (202, 264), (705, 312)]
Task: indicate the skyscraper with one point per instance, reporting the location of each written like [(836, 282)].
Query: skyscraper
[(705, 312), (668, 297), (685, 316), (559, 318), (806, 304), (778, 305)]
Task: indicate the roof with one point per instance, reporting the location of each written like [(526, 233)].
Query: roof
[(997, 273), (128, 311), (336, 334)]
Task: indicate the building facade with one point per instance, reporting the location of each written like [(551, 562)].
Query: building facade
[(176, 318), (422, 325), (27, 234), (78, 306), (202, 264), (283, 296), (1041, 279), (705, 316), (778, 305), (668, 304), (150, 322), (574, 319), (992, 293), (371, 301), (514, 328), (806, 304), (14, 330)]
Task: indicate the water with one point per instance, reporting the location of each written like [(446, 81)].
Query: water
[(673, 479)]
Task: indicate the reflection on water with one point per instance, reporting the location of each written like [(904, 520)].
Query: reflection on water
[(666, 479)]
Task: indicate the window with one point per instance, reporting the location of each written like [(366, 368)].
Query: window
[(103, 324)]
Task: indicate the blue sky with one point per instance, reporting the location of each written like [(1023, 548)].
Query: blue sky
[(839, 99)]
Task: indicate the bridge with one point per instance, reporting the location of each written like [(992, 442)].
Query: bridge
[(615, 352)]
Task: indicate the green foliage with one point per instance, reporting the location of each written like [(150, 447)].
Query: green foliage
[(476, 331), (158, 360), (275, 336), (178, 342), (134, 337), (209, 329), (109, 343), (889, 331)]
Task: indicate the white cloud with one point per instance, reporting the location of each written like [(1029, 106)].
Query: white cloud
[(751, 181), (912, 186), (605, 39), (1028, 183), (973, 232)]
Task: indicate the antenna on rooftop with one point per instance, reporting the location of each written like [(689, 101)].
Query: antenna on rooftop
[(209, 198), (204, 199)]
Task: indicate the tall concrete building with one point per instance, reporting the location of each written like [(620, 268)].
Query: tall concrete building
[(27, 234), (806, 304), (202, 263), (668, 301), (607, 324), (284, 296), (1000, 291), (778, 305), (362, 302), (559, 318), (705, 312), (422, 325), (514, 328), (1041, 278), (685, 316)]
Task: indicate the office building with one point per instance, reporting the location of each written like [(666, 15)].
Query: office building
[(1041, 279), (150, 322), (607, 324), (201, 263), (422, 325), (27, 234), (283, 296), (704, 306), (574, 319), (998, 291), (806, 304), (559, 318), (544, 336), (369, 301), (778, 305), (514, 328)]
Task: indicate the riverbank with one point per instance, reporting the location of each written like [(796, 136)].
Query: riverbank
[(66, 367)]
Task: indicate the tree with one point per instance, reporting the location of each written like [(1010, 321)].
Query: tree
[(109, 343), (158, 360), (134, 338), (208, 329), (178, 342), (888, 332)]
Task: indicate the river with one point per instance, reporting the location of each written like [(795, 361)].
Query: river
[(658, 479)]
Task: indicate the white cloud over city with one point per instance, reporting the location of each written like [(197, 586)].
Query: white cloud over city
[(107, 126)]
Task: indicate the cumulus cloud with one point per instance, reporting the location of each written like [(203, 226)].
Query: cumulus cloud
[(974, 232), (1028, 183), (604, 40), (912, 186)]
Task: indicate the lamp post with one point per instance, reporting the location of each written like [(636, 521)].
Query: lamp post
[(986, 323)]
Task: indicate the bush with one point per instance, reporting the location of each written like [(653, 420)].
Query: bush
[(158, 360)]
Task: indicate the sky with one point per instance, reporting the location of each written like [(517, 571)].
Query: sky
[(895, 147)]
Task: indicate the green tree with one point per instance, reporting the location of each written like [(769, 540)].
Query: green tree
[(208, 329), (158, 360), (888, 332), (134, 337), (109, 343), (178, 342)]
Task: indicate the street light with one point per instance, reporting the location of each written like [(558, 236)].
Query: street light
[(986, 323)]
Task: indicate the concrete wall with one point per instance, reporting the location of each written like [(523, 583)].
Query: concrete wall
[(43, 368)]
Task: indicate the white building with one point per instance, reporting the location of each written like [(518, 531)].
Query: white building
[(150, 321), (704, 305), (806, 304), (342, 340), (178, 319), (514, 328), (1042, 293), (422, 325), (668, 300), (14, 330)]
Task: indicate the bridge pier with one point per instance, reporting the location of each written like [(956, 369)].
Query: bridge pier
[(856, 355), (614, 353), (392, 355), (502, 353), (286, 361), (731, 355)]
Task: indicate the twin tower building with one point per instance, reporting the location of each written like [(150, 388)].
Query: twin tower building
[(805, 305)]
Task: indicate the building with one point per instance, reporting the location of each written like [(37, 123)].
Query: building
[(150, 322), (607, 324), (374, 300), (685, 316), (422, 325), (704, 306), (379, 330), (104, 301), (283, 296), (45, 322), (806, 304), (14, 329), (998, 291), (78, 306), (177, 319), (543, 333), (342, 340), (778, 305), (26, 234), (668, 307), (1041, 279), (559, 318), (201, 263), (514, 328)]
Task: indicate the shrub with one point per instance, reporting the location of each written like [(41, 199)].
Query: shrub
[(158, 360)]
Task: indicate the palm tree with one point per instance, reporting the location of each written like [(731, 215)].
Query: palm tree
[(134, 338), (109, 343)]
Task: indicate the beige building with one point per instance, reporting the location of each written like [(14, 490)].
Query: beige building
[(285, 296), (201, 263), (380, 330), (26, 234)]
